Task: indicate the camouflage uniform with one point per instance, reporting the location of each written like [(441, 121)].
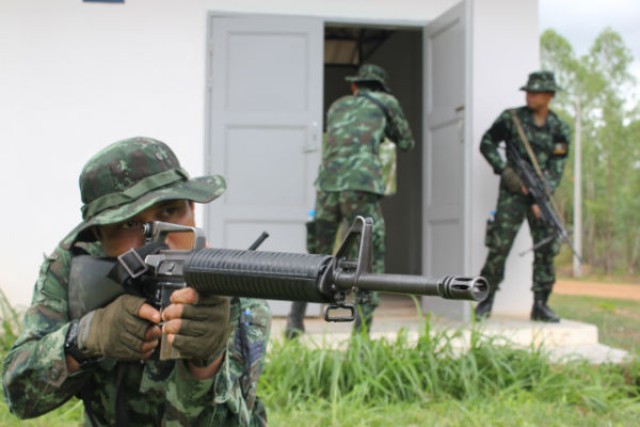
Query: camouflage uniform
[(550, 145), (350, 180), (35, 375)]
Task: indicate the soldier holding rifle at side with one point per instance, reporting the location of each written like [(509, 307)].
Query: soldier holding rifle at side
[(540, 137)]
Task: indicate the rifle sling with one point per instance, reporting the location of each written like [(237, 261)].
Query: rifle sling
[(378, 104), (530, 153)]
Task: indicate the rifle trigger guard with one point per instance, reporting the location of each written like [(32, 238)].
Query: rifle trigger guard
[(330, 307)]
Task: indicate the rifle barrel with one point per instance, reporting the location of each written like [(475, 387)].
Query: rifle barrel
[(303, 277)]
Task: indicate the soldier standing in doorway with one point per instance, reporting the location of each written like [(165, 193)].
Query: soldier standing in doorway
[(548, 139), (350, 181)]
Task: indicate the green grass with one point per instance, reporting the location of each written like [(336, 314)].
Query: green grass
[(617, 320), (70, 414), (378, 383), (511, 410), (372, 383)]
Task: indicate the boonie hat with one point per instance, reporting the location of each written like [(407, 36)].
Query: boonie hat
[(371, 73), (132, 175), (541, 81)]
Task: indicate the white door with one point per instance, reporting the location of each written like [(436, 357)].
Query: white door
[(444, 172), (265, 79)]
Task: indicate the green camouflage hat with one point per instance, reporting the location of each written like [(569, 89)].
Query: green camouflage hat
[(541, 81), (132, 175), (371, 72)]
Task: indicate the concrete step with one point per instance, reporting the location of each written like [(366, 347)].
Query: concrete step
[(593, 353), (564, 342), (524, 332)]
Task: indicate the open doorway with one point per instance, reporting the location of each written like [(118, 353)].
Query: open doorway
[(399, 52), (275, 114)]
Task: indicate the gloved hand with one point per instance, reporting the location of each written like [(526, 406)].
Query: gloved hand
[(122, 330), (511, 180), (198, 326)]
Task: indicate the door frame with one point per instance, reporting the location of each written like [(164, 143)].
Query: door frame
[(452, 309), (370, 22)]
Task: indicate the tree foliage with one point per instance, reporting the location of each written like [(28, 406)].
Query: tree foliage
[(598, 91)]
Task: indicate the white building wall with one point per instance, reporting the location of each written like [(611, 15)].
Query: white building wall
[(401, 11), (499, 45), (77, 76)]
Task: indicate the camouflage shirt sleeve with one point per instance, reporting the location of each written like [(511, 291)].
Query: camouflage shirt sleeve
[(356, 127), (550, 143), (236, 384), (398, 129), (498, 132), (36, 379), (35, 376), (229, 398), (561, 137)]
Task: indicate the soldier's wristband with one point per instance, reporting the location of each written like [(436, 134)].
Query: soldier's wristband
[(71, 347)]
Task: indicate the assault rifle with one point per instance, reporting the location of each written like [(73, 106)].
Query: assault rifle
[(254, 274), (540, 191)]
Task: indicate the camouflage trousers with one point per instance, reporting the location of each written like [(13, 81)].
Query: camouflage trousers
[(511, 211), (332, 208)]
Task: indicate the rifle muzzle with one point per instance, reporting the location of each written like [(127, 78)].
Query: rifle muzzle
[(447, 287)]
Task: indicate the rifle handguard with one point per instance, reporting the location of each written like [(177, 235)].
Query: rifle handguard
[(311, 278), (254, 274)]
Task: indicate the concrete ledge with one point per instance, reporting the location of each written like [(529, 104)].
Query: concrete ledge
[(564, 342), (526, 333), (593, 353)]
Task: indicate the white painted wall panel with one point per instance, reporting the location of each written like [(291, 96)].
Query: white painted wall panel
[(281, 57), (75, 77), (446, 189), (505, 41), (401, 11), (248, 151)]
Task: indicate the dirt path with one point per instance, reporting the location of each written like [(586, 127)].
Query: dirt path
[(607, 290)]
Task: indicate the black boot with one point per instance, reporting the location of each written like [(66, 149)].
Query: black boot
[(295, 320), (541, 311), (484, 307)]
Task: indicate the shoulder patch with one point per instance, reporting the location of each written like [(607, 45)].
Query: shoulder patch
[(560, 149)]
